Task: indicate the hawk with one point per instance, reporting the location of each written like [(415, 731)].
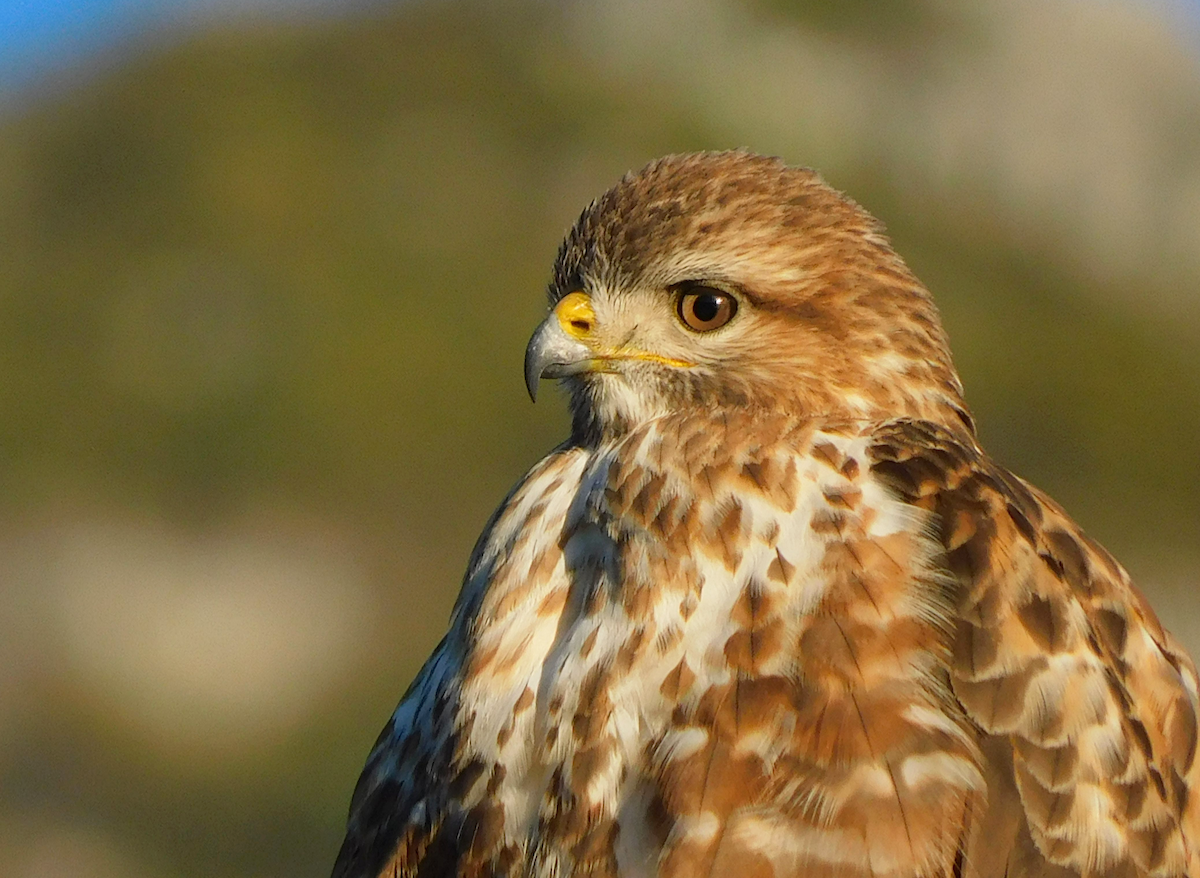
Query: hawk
[(771, 610)]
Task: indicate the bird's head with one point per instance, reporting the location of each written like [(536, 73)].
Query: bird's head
[(729, 279)]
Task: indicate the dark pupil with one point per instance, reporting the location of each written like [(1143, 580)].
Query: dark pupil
[(706, 308)]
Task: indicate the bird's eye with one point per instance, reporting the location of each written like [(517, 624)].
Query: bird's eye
[(704, 309)]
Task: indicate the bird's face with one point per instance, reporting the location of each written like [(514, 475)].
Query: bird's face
[(719, 280), (642, 352)]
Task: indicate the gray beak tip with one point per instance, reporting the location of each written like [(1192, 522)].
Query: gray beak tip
[(533, 372), (552, 354)]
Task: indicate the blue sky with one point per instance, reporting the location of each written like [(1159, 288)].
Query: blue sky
[(41, 37), (37, 36)]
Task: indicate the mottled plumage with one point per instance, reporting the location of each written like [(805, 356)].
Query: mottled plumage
[(771, 611)]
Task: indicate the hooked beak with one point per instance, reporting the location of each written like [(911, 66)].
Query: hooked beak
[(558, 346)]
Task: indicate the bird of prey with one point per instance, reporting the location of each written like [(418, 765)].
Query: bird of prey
[(771, 610)]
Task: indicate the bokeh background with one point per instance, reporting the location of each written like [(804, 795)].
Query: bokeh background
[(267, 270)]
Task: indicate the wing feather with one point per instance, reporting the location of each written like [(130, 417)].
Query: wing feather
[(1086, 705)]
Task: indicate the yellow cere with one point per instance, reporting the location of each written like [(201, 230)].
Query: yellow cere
[(575, 314)]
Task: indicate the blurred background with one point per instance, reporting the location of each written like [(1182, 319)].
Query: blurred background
[(267, 270)]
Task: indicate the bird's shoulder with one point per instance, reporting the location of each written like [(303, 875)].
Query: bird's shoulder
[(1057, 655), (418, 795)]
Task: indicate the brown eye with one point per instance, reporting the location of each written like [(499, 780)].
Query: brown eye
[(704, 309)]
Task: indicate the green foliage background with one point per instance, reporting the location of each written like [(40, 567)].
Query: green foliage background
[(285, 273)]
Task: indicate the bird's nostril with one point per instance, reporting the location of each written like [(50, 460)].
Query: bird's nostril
[(575, 314)]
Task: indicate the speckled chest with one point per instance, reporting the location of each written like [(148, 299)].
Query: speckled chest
[(629, 590)]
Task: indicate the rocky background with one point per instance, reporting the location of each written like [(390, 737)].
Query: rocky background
[(265, 285)]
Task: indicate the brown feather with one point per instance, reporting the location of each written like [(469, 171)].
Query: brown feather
[(771, 611)]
